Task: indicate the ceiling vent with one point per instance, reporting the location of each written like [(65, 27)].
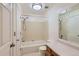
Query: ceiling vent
[(46, 7)]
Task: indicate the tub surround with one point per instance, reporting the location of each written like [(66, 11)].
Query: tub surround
[(34, 28)]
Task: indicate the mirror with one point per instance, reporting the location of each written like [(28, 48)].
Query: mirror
[(69, 25)]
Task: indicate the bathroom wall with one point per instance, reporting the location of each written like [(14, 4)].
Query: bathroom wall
[(60, 47), (35, 29)]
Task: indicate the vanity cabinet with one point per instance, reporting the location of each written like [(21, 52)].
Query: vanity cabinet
[(50, 52)]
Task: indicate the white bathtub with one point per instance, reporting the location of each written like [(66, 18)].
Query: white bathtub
[(31, 47)]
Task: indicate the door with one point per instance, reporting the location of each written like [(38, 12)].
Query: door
[(5, 31)]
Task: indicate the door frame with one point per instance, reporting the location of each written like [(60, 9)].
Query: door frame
[(16, 24)]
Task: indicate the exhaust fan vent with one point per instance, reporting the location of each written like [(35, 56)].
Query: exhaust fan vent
[(46, 7)]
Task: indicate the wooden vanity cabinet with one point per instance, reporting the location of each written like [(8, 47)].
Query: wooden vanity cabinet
[(50, 52)]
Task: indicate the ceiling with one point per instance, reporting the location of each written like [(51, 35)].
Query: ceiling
[(27, 10)]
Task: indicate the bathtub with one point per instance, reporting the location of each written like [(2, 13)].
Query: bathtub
[(31, 47)]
